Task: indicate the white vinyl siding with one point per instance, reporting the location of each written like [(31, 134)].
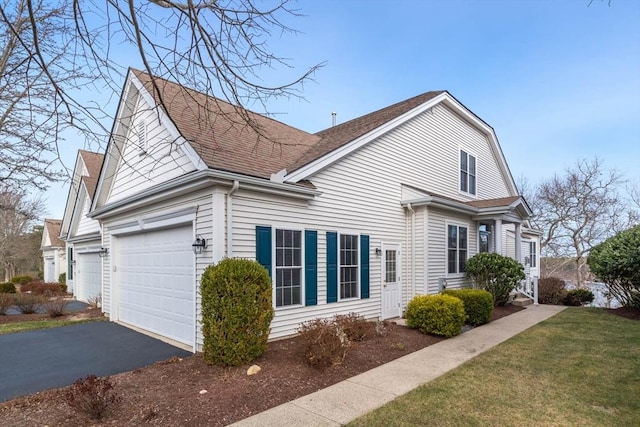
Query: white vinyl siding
[(85, 224), (164, 160)]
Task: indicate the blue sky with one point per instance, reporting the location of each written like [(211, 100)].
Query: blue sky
[(557, 80)]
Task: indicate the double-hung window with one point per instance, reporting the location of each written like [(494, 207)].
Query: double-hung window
[(467, 172), (348, 266), (532, 255), (456, 249), (288, 269)]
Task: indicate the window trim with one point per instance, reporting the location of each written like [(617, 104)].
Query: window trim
[(533, 255), (358, 265), (458, 224), (274, 266), (475, 157)]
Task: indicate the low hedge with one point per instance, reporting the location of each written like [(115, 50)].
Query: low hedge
[(7, 288), (578, 297), (478, 304), (19, 280), (436, 314)]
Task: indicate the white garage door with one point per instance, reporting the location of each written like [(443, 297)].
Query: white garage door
[(157, 284), (88, 279)]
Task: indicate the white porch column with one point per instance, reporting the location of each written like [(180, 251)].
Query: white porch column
[(519, 243), (498, 236)]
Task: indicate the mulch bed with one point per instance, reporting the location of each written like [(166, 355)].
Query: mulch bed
[(188, 392)]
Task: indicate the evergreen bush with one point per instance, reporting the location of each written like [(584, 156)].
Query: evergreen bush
[(7, 288), (495, 273), (436, 314), (19, 280), (616, 262), (236, 311), (478, 304), (578, 297)]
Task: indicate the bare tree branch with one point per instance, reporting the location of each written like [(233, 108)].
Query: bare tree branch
[(55, 52)]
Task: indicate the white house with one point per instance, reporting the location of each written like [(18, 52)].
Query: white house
[(81, 234), (359, 217), (52, 251)]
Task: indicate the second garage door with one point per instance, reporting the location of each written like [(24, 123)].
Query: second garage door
[(88, 280), (157, 285)]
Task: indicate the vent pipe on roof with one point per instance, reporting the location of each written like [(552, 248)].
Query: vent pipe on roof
[(333, 118)]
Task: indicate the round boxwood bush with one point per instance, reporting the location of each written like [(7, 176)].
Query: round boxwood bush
[(436, 314), (236, 311), (578, 297), (7, 288), (495, 273), (478, 304), (21, 280)]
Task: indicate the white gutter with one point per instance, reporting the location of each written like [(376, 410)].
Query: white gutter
[(234, 188), (197, 180)]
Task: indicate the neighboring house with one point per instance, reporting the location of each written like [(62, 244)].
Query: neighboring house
[(52, 251), (80, 233), (356, 218)]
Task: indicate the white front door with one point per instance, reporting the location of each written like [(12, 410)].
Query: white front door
[(390, 281), (88, 278)]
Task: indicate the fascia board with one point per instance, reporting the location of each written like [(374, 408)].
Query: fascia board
[(317, 165), (196, 181), (69, 208), (493, 138), (110, 157)]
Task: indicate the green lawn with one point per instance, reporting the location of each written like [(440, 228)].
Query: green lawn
[(579, 368), (10, 328)]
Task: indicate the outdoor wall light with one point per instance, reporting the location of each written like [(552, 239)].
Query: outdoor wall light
[(102, 253), (199, 245), (378, 251)]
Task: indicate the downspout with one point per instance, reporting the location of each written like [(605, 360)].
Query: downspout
[(413, 250), (234, 188)]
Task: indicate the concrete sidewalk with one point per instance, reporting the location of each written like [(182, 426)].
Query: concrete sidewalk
[(349, 399)]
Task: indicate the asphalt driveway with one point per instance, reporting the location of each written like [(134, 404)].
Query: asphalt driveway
[(50, 358)]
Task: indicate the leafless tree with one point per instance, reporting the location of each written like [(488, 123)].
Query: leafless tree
[(18, 214), (56, 50), (578, 210)]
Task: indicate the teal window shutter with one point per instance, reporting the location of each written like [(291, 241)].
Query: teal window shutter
[(364, 266), (263, 247), (310, 267), (332, 266)]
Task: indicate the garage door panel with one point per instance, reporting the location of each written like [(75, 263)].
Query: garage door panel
[(157, 287), (88, 280)]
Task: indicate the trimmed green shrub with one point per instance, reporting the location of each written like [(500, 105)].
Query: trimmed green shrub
[(495, 273), (578, 297), (62, 279), (616, 262), (551, 290), (7, 288), (478, 304), (436, 314), (325, 342), (19, 280), (236, 311)]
